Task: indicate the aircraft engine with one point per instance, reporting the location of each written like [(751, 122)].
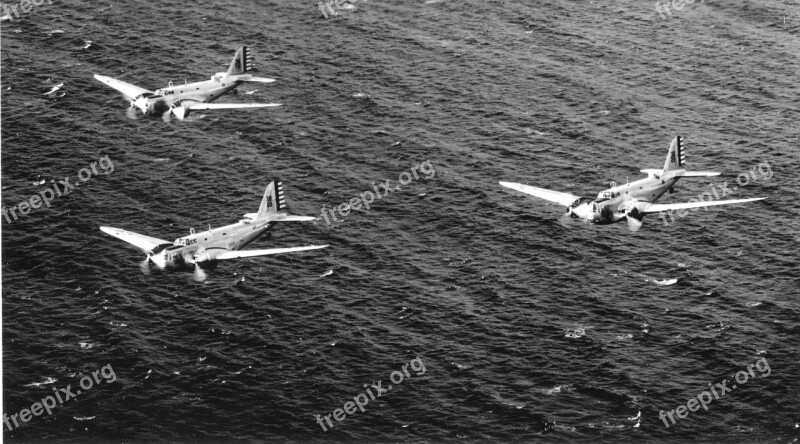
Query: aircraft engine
[(179, 111)]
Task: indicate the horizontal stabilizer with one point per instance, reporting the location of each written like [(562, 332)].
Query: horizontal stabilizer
[(698, 174), (146, 243), (283, 218), (655, 208), (289, 218), (563, 199), (200, 106), (257, 79), (251, 253)]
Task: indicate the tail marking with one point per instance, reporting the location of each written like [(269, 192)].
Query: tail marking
[(242, 62)]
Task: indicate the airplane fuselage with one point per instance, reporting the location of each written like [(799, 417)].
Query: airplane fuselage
[(201, 246), (207, 91), (613, 204)]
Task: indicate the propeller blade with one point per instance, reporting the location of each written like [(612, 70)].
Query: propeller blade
[(634, 224), (131, 112), (634, 218), (199, 273), (145, 265), (167, 116), (565, 220)]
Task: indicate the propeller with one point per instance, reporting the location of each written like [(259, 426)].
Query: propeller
[(634, 224), (634, 218), (199, 273), (197, 257), (145, 265), (159, 259), (167, 116), (141, 102), (131, 112), (179, 111)]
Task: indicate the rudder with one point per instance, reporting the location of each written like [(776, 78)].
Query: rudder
[(242, 62), (676, 157), (273, 201)]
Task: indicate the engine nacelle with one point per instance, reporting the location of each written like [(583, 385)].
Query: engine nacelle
[(179, 111)]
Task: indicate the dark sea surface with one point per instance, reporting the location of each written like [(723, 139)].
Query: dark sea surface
[(532, 327)]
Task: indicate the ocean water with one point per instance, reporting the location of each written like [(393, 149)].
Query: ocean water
[(530, 327)]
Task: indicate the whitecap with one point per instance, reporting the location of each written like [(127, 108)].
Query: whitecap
[(576, 332), (558, 389), (45, 381), (54, 89)]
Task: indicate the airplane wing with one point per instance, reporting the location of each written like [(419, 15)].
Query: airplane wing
[(563, 199), (250, 253), (198, 106), (146, 243), (645, 207), (129, 90)]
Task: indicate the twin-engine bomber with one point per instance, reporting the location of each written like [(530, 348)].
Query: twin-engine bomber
[(205, 249), (180, 100), (633, 200)]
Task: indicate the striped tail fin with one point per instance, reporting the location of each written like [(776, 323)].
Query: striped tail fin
[(676, 158), (274, 202), (242, 62)]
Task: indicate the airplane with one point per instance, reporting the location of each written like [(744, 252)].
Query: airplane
[(632, 201), (180, 100), (207, 248)]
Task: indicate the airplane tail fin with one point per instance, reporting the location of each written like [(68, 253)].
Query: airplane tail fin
[(242, 62), (273, 202), (676, 158)]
